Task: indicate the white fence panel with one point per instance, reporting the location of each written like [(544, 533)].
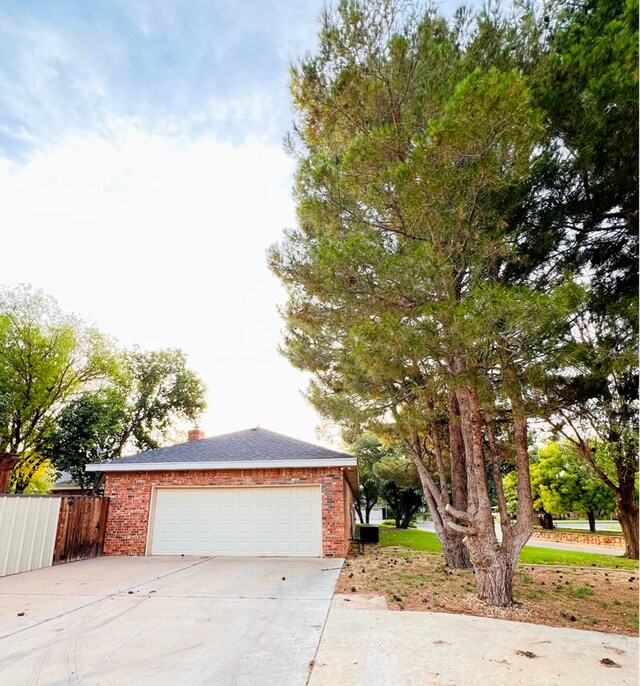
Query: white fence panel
[(28, 527)]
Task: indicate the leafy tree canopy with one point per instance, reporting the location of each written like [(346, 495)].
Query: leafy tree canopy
[(562, 483), (46, 358), (69, 396), (152, 392)]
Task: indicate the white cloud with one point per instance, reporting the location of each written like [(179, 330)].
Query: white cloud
[(161, 242)]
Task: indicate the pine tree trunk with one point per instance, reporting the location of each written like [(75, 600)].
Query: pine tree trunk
[(627, 507), (494, 577), (456, 553), (456, 453), (628, 518), (491, 562)]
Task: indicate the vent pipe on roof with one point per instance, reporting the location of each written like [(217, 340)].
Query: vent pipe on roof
[(195, 435)]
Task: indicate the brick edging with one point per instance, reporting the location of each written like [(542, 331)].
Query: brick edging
[(572, 537)]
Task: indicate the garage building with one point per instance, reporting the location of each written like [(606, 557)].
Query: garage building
[(252, 492)]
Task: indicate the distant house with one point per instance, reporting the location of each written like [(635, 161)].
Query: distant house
[(65, 485), (252, 492)]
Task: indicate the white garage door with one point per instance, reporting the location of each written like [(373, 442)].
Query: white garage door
[(270, 521)]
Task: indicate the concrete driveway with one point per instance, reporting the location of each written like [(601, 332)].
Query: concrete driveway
[(165, 620), (364, 643)]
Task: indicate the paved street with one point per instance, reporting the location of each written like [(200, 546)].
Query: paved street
[(601, 527), (538, 543)]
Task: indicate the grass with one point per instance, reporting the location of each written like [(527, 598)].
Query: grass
[(580, 592), (574, 558), (416, 539)]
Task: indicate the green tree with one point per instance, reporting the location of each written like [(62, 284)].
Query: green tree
[(160, 390), (46, 358), (399, 487), (561, 483), (407, 149), (578, 213), (89, 429), (368, 449), (564, 483), (387, 474), (588, 87), (32, 474), (150, 394)]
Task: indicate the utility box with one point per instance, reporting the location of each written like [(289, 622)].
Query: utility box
[(369, 533)]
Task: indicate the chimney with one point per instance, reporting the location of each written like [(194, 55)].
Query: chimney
[(195, 435)]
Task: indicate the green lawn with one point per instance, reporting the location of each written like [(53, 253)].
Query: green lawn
[(410, 538), (417, 539)]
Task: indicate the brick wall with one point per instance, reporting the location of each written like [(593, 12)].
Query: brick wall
[(573, 537), (130, 494)]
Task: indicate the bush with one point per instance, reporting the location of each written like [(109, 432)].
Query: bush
[(392, 523)]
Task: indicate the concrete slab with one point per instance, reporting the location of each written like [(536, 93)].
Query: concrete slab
[(175, 621), (102, 575), (232, 577), (18, 612), (363, 646), (49, 592)]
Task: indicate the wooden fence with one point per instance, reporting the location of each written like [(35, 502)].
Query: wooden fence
[(81, 528), (39, 531)]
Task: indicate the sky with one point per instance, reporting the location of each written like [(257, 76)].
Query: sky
[(143, 178)]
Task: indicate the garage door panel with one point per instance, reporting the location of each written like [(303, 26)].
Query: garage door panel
[(279, 521)]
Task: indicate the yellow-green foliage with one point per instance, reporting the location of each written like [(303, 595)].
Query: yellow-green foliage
[(42, 475)]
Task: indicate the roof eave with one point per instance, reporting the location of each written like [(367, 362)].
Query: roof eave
[(229, 464)]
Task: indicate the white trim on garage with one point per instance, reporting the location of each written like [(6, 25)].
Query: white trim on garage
[(252, 520), (190, 466)]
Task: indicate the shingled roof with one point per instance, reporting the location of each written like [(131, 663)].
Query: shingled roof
[(257, 446)]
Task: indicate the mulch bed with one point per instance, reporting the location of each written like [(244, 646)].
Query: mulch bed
[(576, 597)]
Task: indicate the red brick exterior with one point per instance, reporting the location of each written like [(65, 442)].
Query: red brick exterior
[(130, 494)]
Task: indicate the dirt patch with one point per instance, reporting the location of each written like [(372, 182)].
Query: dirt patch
[(594, 599)]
